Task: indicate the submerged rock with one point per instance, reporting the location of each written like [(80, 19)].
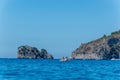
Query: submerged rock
[(33, 52), (107, 47)]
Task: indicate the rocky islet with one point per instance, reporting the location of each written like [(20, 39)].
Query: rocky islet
[(33, 52)]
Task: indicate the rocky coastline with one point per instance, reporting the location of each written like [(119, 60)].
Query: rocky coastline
[(104, 48), (29, 52)]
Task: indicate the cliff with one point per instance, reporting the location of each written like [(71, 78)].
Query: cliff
[(106, 47), (33, 52)]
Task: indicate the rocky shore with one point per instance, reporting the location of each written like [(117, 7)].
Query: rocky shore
[(106, 47), (33, 52)]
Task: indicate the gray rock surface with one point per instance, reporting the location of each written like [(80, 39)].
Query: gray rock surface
[(33, 52), (107, 47)]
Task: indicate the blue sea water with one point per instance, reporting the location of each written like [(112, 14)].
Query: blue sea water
[(35, 69)]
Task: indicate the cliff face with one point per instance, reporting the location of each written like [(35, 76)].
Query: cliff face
[(107, 47), (32, 52)]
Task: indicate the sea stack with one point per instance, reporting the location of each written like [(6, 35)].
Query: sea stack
[(106, 47), (33, 52)]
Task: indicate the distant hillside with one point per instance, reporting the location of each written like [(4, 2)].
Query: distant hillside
[(33, 52), (106, 47)]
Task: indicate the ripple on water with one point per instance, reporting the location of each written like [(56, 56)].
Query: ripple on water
[(23, 69)]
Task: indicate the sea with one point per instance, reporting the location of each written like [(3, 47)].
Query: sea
[(37, 69)]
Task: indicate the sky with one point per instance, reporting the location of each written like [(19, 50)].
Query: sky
[(59, 26)]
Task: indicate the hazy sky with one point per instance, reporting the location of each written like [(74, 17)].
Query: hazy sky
[(59, 26)]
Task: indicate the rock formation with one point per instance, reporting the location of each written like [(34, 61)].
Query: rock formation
[(32, 52), (107, 47)]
